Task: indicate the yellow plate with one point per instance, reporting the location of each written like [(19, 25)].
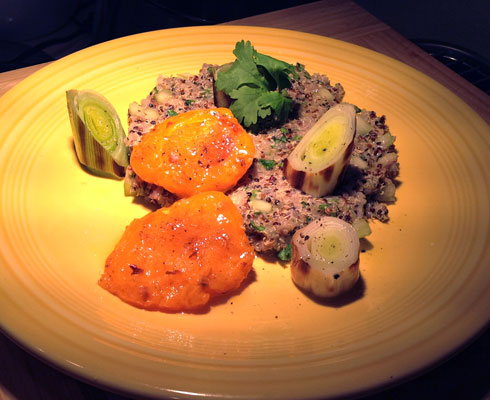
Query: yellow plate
[(425, 286)]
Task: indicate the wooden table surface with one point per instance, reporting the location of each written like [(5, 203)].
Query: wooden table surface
[(466, 375)]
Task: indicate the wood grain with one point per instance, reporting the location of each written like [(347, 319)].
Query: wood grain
[(11, 78)]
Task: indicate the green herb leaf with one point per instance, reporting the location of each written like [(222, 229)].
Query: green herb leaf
[(276, 69), (282, 139), (268, 164), (172, 113), (286, 253), (256, 83), (259, 228)]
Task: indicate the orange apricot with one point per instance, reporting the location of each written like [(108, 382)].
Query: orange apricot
[(193, 152), (178, 258)]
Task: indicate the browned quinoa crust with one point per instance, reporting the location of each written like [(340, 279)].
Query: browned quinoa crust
[(372, 170)]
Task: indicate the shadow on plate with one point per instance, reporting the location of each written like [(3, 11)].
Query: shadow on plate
[(353, 295)]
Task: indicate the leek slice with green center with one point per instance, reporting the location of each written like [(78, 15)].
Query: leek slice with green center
[(325, 257), (98, 133), (318, 161)]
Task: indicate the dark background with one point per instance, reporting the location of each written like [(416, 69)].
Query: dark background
[(455, 32), (59, 28), (33, 31)]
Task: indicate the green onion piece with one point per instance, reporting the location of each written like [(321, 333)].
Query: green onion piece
[(97, 133), (362, 126), (362, 227)]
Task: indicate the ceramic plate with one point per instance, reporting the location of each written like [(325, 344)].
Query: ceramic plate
[(425, 286)]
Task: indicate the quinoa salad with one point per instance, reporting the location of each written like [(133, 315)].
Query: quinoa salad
[(271, 208)]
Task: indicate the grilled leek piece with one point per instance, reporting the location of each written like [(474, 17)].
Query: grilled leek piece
[(97, 133), (325, 257), (316, 164)]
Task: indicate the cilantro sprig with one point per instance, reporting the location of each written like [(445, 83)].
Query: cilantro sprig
[(256, 84)]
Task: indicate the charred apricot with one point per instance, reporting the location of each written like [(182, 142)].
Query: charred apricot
[(178, 258), (193, 152)]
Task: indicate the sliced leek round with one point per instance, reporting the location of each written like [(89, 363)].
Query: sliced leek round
[(325, 257), (98, 133), (318, 161)]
